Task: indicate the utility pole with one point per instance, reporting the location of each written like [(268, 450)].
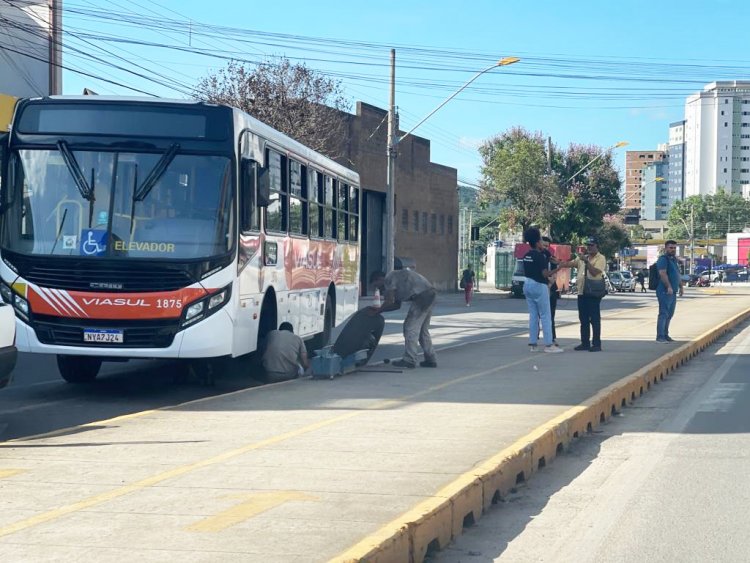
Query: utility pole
[(471, 242), (54, 72), (692, 239), (390, 204)]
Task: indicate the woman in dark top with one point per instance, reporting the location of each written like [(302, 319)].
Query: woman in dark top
[(467, 281), (536, 290)]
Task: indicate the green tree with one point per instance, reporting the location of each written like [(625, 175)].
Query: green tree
[(727, 212), (679, 219), (536, 189), (638, 233), (590, 197), (724, 212), (291, 98), (514, 171), (612, 236)]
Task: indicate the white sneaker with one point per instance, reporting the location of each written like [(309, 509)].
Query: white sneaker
[(533, 348), (554, 349)]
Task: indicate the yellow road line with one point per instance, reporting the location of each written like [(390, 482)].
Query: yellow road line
[(4, 473), (139, 414), (182, 470), (95, 500), (409, 521), (251, 506), (355, 552)]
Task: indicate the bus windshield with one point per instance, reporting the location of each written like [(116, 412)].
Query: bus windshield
[(68, 202)]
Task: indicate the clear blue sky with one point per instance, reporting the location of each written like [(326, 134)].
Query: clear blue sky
[(592, 71)]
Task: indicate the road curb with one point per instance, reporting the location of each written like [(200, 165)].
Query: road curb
[(435, 522)]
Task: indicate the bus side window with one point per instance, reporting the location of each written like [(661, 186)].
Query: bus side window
[(277, 210), (353, 214), (329, 215), (313, 196), (343, 212), (248, 185), (297, 203)]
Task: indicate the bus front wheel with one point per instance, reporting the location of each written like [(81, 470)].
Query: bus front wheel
[(78, 369)]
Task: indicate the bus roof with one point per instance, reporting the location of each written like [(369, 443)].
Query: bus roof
[(242, 120)]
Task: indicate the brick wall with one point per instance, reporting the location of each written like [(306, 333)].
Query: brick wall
[(422, 187)]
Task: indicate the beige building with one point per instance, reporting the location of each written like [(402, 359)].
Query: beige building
[(635, 161), (426, 222)]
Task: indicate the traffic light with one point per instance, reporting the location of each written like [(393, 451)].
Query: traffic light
[(475, 233)]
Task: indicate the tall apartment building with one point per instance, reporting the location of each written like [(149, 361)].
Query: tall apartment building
[(676, 155), (634, 163), (655, 200), (717, 139)]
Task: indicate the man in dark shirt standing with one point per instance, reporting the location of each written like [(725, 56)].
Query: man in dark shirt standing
[(554, 291), (536, 290)]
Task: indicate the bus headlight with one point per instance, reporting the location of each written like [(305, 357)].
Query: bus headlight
[(21, 304), (194, 310), (217, 299), (206, 306), (6, 292)]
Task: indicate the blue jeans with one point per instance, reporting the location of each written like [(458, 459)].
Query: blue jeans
[(667, 304), (537, 299)]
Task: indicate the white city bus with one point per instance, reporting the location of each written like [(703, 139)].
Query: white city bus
[(143, 228)]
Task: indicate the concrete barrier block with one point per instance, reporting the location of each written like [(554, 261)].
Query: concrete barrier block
[(467, 506), (432, 531), (387, 546)]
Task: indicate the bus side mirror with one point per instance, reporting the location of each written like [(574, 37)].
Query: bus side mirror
[(3, 169), (264, 187)]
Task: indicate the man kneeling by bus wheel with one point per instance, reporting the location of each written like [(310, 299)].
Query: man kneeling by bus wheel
[(285, 355)]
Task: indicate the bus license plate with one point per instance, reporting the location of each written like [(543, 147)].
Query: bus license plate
[(109, 336)]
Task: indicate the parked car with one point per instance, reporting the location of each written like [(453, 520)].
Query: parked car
[(573, 286), (710, 275), (8, 351), (621, 282), (519, 277)]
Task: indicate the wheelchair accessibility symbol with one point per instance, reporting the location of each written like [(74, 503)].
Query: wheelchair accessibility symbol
[(93, 242)]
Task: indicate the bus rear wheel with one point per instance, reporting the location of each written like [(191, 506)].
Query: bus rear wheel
[(78, 369)]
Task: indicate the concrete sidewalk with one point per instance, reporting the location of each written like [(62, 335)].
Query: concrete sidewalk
[(304, 470)]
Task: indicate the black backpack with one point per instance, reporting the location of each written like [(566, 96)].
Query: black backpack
[(653, 277)]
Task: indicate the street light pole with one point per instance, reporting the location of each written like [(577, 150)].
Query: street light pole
[(710, 259), (394, 139), (692, 238), (390, 199), (691, 232)]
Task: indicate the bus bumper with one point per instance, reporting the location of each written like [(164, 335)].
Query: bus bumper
[(209, 338)]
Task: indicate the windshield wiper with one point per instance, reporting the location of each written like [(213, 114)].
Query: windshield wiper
[(70, 161), (156, 173), (59, 231)]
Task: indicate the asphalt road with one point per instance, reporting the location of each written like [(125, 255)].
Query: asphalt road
[(665, 481), (39, 401)]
